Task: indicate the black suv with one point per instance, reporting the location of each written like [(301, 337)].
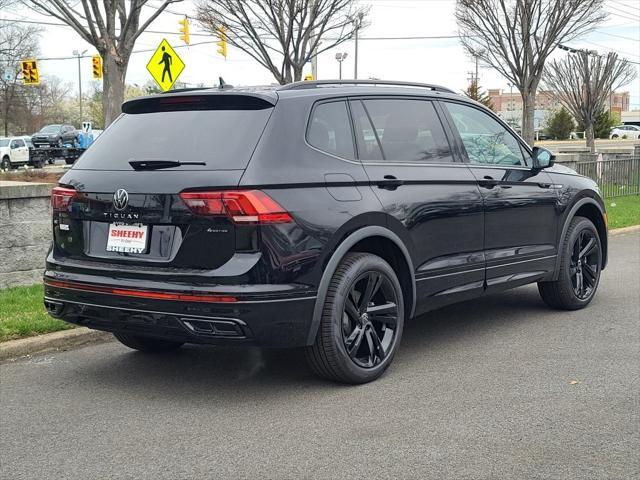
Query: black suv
[(319, 214), (55, 136)]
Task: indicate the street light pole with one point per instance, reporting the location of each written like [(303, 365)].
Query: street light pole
[(79, 55), (340, 58)]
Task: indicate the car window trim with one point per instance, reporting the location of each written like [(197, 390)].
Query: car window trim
[(433, 101), (523, 145), (344, 100)]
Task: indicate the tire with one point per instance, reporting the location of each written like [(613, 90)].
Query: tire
[(69, 161), (147, 344), (580, 268), (614, 136), (6, 163), (349, 325)]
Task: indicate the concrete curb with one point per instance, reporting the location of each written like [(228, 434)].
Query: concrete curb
[(78, 337), (63, 340), (623, 230)]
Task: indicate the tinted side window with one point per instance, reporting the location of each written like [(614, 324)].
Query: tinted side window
[(18, 144), (408, 130), (330, 131), (486, 140)]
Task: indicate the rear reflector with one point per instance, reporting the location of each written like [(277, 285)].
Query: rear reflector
[(61, 198), (154, 295), (243, 206)]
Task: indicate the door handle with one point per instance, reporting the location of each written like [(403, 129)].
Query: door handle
[(389, 183), (488, 182)]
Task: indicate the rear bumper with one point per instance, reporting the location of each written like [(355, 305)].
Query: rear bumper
[(279, 320)]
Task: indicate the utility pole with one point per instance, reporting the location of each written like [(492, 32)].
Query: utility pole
[(476, 70), (357, 22), (314, 53), (79, 55)]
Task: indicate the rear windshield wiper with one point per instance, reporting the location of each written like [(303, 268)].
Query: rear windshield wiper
[(159, 164)]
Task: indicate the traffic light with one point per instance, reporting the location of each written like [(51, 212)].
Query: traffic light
[(222, 44), (184, 30), (30, 75), (96, 62)]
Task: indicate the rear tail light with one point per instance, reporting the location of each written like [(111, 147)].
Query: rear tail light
[(61, 198), (243, 207)]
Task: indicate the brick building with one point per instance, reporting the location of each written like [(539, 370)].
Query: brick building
[(508, 105)]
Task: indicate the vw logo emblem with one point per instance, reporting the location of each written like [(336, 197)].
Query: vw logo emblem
[(120, 199)]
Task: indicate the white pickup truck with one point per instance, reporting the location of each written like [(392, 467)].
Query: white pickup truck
[(14, 151)]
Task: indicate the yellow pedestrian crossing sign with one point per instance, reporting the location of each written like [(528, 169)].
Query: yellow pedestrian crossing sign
[(165, 66)]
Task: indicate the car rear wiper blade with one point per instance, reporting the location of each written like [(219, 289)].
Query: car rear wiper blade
[(159, 164)]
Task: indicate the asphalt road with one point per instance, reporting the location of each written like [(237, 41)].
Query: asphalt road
[(481, 390)]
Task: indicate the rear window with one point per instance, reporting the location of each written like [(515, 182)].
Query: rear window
[(222, 139)]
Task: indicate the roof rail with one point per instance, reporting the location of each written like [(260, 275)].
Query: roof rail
[(326, 83)]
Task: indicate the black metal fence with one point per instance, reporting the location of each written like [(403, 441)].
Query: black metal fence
[(616, 177)]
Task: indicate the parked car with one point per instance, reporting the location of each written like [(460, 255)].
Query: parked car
[(625, 131), (320, 214), (55, 136), (13, 152)]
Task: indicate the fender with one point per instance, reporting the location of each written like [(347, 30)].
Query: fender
[(334, 261), (565, 227)]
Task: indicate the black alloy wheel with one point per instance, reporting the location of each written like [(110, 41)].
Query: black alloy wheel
[(362, 321), (369, 319), (580, 266), (584, 268)]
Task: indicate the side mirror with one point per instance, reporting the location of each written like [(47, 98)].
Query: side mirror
[(542, 158)]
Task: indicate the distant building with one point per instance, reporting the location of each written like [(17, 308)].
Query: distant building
[(508, 105)]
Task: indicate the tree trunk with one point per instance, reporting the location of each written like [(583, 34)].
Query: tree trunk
[(590, 136), (297, 73), (113, 86), (528, 113)]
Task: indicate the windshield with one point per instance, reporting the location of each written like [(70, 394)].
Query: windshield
[(221, 139), (50, 129), (4, 142)]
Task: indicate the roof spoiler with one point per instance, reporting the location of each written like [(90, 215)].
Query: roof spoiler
[(198, 100)]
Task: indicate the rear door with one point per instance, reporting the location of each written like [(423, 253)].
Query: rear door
[(429, 197), (125, 210), (19, 151), (521, 214)]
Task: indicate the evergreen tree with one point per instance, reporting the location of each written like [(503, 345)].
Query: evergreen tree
[(560, 125), (474, 92)]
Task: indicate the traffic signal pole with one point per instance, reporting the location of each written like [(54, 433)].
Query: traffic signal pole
[(79, 55)]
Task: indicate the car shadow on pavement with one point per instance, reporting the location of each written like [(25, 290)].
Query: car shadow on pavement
[(212, 371)]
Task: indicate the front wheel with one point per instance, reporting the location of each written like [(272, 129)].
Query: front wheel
[(362, 321), (147, 344), (580, 267), (5, 164)]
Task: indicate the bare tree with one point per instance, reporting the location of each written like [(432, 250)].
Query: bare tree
[(516, 37), (282, 35), (18, 43), (112, 27), (583, 81)]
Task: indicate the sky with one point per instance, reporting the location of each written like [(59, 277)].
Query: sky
[(439, 61)]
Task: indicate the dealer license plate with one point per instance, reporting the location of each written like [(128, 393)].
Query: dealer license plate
[(127, 238)]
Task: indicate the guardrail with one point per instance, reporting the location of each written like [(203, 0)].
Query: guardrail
[(616, 177)]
